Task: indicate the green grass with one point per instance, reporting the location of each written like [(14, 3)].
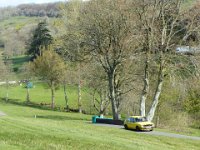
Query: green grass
[(18, 61), (18, 22), (51, 130), (41, 94), (40, 97)]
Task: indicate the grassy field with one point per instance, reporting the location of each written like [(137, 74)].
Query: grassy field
[(40, 94), (51, 130), (18, 61), (18, 22), (41, 98)]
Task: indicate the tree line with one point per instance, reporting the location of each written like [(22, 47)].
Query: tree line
[(31, 10)]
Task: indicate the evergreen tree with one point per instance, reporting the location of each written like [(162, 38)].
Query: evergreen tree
[(41, 39)]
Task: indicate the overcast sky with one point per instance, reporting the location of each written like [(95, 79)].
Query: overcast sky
[(4, 3)]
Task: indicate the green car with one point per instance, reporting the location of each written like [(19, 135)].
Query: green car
[(138, 123)]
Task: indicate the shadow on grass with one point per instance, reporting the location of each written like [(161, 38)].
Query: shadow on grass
[(42, 106), (57, 117)]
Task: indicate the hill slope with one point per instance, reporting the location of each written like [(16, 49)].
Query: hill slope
[(60, 131)]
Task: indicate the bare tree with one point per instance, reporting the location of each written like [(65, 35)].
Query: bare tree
[(105, 36), (162, 26), (102, 102), (27, 75), (98, 89), (6, 74)]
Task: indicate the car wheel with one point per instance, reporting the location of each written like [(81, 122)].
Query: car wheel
[(137, 128), (126, 127), (151, 129)]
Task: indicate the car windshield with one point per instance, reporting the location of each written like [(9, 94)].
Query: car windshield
[(142, 119)]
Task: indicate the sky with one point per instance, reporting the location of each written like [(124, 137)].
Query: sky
[(5, 3)]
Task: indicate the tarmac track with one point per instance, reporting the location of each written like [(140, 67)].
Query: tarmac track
[(154, 133)]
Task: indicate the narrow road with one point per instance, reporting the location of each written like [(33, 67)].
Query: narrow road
[(172, 135), (156, 133)]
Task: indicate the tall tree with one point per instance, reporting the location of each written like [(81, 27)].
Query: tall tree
[(6, 74), (51, 68), (96, 80), (41, 39), (69, 43), (163, 27), (27, 75), (104, 29)]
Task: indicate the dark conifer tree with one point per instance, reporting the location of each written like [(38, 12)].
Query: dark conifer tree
[(41, 39)]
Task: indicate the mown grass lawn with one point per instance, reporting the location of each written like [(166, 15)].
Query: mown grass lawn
[(52, 130), (41, 94)]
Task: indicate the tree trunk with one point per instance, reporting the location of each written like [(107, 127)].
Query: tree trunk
[(52, 95), (101, 114), (157, 117), (7, 86), (79, 93), (157, 93), (113, 97), (101, 105), (146, 87), (155, 101), (66, 98), (27, 95), (145, 90)]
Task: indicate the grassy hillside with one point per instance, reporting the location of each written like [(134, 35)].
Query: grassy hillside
[(17, 22), (20, 130)]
